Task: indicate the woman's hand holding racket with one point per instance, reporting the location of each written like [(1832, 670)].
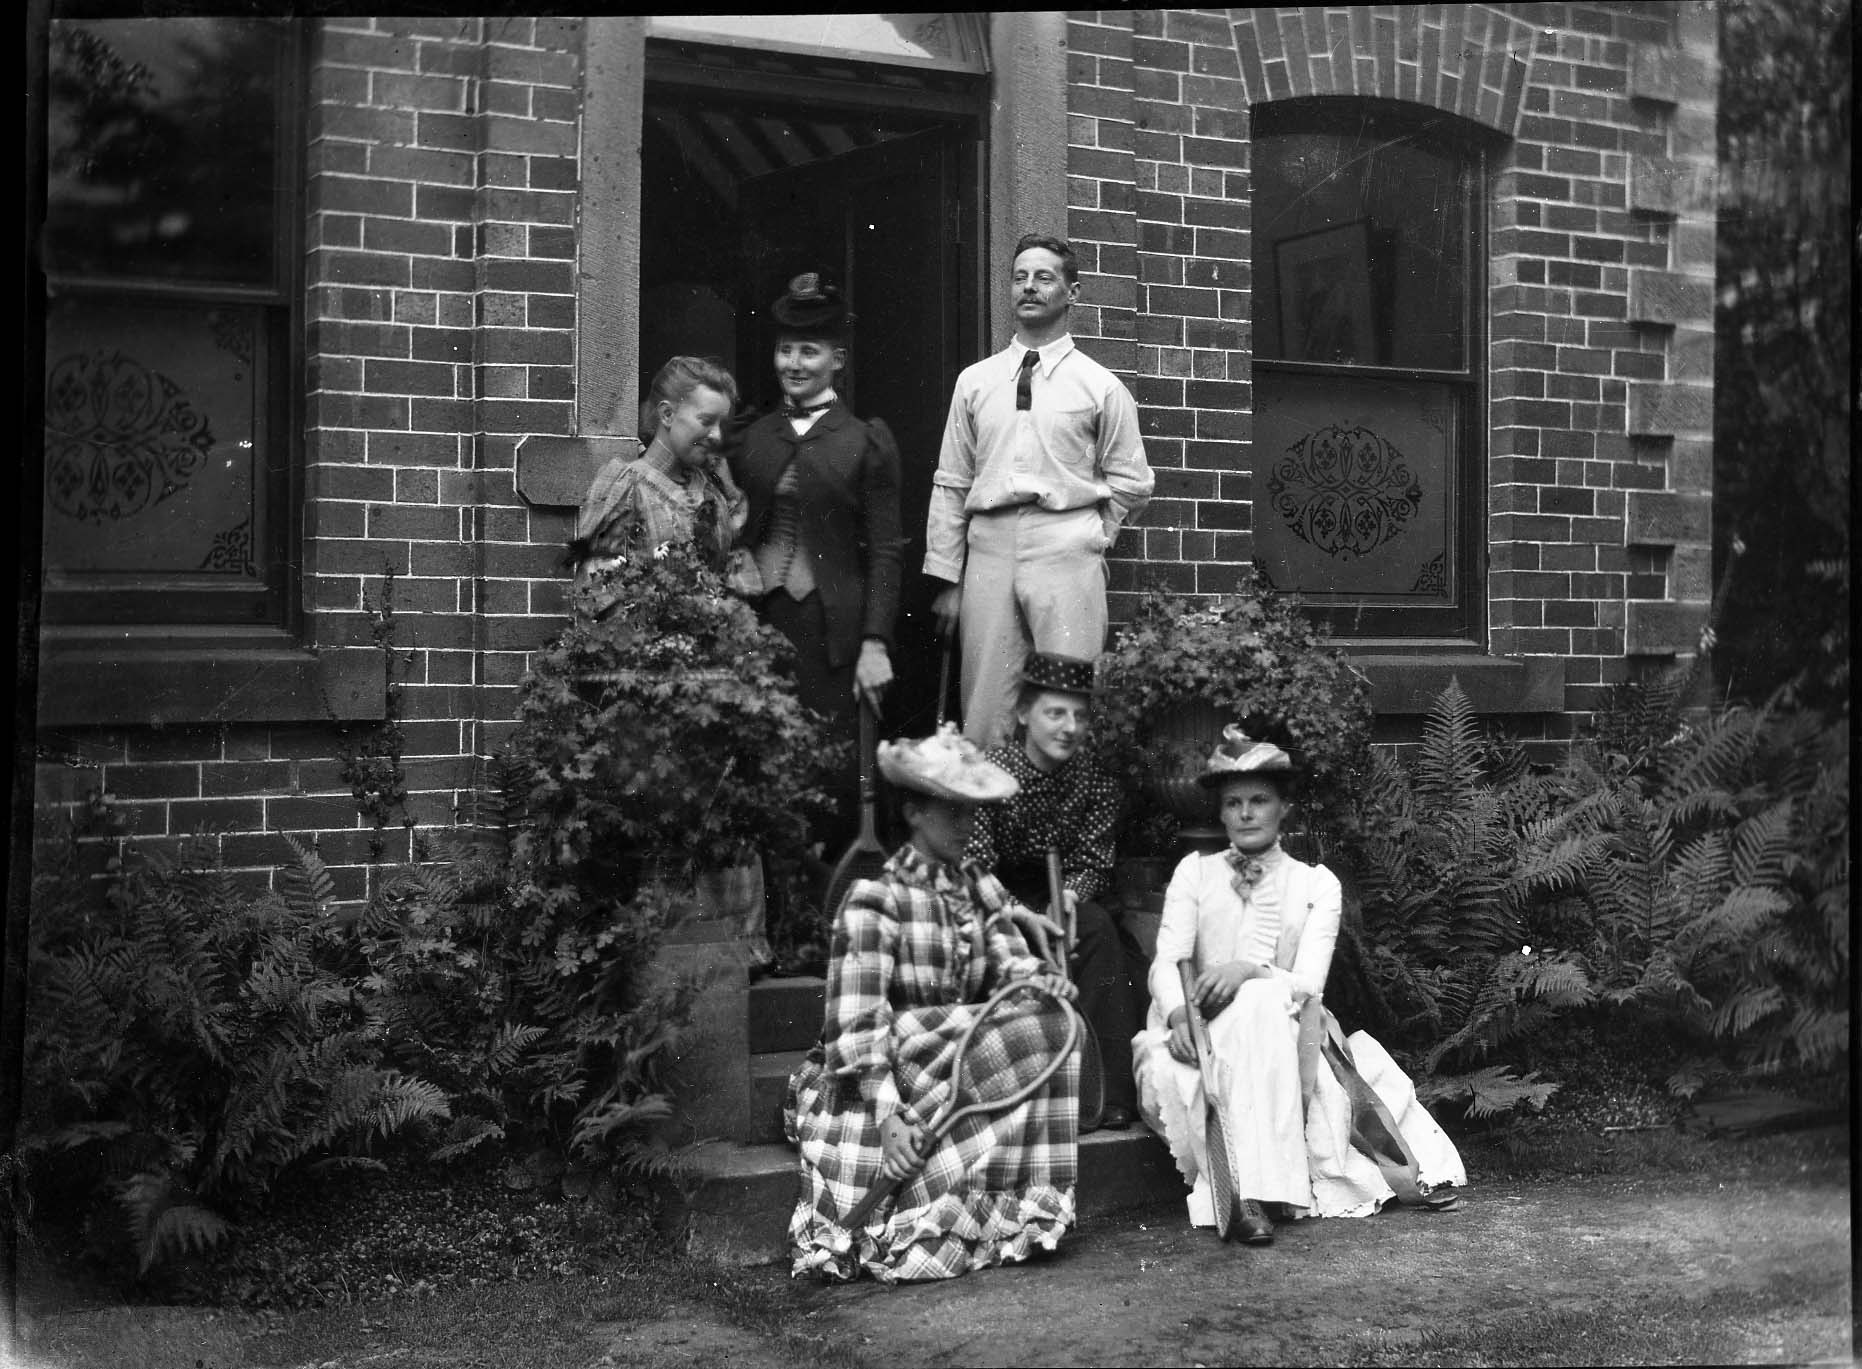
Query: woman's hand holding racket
[(1181, 1045), (903, 1147), (1057, 984), (1217, 986)]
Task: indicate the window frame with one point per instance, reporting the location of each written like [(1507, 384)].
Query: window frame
[(1460, 625), (198, 612)]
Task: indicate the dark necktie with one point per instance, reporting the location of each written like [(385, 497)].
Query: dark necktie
[(803, 410), (1024, 380)]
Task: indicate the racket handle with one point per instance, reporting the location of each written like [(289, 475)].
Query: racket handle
[(875, 1195), (1057, 903), (1199, 1033)]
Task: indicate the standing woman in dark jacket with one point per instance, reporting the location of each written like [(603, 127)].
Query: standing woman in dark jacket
[(823, 525)]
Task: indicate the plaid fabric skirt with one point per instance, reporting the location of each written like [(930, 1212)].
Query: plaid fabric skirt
[(996, 1186)]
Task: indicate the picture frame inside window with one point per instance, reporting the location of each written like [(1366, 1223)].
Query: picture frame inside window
[(1324, 283)]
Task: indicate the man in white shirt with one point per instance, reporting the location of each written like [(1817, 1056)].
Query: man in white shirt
[(1041, 465)]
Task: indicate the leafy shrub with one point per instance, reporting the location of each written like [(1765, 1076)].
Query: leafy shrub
[(1712, 868), (190, 1042), (668, 730), (1680, 883), (1249, 658), (545, 1026)]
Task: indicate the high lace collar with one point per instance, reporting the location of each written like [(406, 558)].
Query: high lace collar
[(1252, 875), (1270, 859), (915, 867)]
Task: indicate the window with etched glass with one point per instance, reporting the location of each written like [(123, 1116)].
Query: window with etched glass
[(1369, 465), (169, 251)]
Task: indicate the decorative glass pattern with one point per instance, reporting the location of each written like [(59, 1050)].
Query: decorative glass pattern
[(1355, 488), (1345, 490), (1367, 493), (150, 439)]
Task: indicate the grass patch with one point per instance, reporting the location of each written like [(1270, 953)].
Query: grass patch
[(1545, 1151), (1791, 1322), (546, 1323)]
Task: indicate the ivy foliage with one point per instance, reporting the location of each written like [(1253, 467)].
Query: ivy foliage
[(669, 729), (1249, 658)]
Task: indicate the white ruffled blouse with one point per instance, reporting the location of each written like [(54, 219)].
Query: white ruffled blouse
[(1286, 918)]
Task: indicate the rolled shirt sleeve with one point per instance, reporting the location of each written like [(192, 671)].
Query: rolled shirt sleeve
[(1127, 475), (947, 524)]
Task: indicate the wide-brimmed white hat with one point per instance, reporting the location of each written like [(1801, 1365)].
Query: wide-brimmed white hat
[(1238, 756), (946, 765)]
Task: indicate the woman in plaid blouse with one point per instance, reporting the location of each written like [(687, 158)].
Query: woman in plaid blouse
[(678, 490), (916, 953)]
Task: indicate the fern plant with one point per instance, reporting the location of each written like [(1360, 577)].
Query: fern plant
[(545, 1020), (1713, 861), (190, 1041), (1438, 933)]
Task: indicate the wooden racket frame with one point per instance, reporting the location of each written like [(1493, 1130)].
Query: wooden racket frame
[(1090, 1057), (949, 1114), (1215, 1130), (864, 857)]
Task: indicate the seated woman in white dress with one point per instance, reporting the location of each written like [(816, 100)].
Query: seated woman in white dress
[(1318, 1125)]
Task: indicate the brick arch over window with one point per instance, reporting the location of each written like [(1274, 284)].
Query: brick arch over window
[(1469, 60)]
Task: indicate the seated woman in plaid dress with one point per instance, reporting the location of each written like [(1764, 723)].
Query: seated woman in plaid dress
[(916, 953)]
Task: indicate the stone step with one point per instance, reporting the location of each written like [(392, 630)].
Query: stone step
[(769, 1082), (737, 1204), (785, 1014)]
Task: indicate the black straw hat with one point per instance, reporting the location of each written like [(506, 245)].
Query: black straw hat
[(811, 306), (1065, 674)]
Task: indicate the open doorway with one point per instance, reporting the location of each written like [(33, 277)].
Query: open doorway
[(748, 181)]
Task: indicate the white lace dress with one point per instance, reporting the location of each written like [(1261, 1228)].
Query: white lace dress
[(1301, 1156)]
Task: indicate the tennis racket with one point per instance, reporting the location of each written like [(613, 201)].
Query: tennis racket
[(864, 857), (1092, 1064), (954, 1109), (943, 675), (1215, 1130)]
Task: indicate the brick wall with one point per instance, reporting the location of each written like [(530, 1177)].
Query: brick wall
[(443, 197), (441, 183), (1600, 287)]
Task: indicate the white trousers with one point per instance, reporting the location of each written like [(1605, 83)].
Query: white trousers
[(1032, 580)]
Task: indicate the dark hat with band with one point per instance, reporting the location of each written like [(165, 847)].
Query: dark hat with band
[(1065, 674), (810, 306)]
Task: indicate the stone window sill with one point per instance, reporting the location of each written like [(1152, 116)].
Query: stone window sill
[(150, 678), (1406, 683)]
